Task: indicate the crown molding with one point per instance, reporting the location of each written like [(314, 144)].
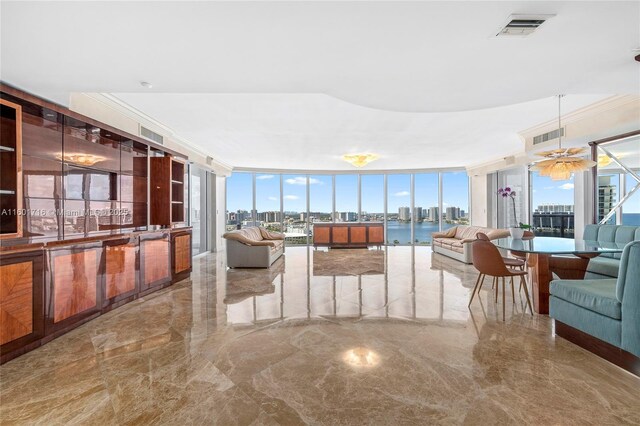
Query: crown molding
[(115, 103)]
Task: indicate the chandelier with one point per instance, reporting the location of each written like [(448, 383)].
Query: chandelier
[(561, 162), (359, 160)]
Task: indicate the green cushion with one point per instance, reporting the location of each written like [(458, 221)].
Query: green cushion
[(595, 295), (605, 266)]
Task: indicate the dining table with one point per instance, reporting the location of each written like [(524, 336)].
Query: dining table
[(550, 258)]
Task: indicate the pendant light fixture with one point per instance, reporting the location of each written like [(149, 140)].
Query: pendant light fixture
[(359, 160), (561, 162)]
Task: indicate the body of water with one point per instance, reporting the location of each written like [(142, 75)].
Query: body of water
[(631, 219), (401, 231)]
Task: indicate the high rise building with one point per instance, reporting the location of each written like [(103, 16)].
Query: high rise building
[(434, 214), (417, 214), (453, 213), (607, 196), (404, 214), (555, 208)]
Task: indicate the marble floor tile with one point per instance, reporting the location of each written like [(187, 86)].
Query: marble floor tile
[(287, 346)]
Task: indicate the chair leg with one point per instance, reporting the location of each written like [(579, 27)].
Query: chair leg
[(473, 293), (503, 304), (513, 292), (495, 286), (523, 283), (481, 282)]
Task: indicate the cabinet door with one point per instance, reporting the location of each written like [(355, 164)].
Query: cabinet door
[(376, 234), (321, 234), (358, 234), (181, 254), (74, 284), (120, 270), (21, 301), (155, 260)]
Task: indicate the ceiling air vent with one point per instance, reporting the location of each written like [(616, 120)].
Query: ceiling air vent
[(547, 136), (522, 25), (151, 135)]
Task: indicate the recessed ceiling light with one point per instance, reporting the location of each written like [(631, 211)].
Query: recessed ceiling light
[(146, 84)]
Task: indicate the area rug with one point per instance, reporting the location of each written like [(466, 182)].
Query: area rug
[(348, 262)]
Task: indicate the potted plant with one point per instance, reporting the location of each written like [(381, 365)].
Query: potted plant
[(517, 231)]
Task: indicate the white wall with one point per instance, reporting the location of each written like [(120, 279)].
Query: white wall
[(221, 210), (479, 200)]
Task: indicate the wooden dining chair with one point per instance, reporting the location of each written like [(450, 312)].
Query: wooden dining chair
[(509, 261), (488, 261)]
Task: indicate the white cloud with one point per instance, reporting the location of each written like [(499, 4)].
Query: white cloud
[(263, 177), (291, 197), (566, 186), (272, 198), (301, 180), (402, 194)]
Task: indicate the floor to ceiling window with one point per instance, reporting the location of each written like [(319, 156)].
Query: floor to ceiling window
[(618, 189), (239, 200), (346, 198), (294, 198), (268, 212), (552, 206), (455, 199), (198, 190), (372, 198), (426, 209), (399, 209), (512, 209), (292, 203)]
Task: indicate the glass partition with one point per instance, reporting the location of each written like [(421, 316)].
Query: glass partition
[(618, 189)]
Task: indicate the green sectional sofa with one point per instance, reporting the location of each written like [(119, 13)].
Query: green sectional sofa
[(607, 264), (607, 309)]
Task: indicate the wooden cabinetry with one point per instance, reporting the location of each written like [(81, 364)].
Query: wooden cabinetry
[(21, 301), (167, 191), (10, 170), (348, 235), (84, 246), (181, 254)]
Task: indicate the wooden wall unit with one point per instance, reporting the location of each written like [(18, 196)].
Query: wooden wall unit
[(65, 264), (348, 235)]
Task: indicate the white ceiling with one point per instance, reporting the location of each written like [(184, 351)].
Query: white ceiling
[(250, 82), (313, 131)]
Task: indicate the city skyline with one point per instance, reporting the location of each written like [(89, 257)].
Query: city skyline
[(239, 196)]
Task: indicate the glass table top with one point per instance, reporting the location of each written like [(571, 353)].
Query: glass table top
[(556, 245)]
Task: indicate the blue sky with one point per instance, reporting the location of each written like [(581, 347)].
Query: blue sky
[(239, 195), (548, 191)]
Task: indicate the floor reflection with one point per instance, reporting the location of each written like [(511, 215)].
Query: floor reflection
[(395, 282)]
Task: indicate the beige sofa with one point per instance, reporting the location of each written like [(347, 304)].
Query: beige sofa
[(456, 242), (253, 247)]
